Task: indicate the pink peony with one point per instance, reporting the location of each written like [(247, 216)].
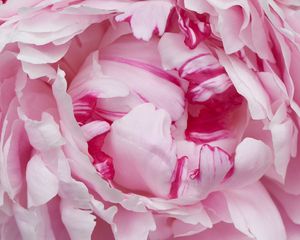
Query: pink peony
[(159, 120)]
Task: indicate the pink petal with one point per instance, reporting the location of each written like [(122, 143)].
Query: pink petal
[(91, 81), (142, 140), (133, 225), (174, 53), (42, 184), (252, 159), (289, 202), (92, 129), (254, 213), (125, 62), (43, 135), (33, 223), (79, 223), (49, 53), (223, 231), (247, 84), (214, 165), (283, 130), (146, 17)]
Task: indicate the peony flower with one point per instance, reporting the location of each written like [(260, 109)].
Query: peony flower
[(156, 120)]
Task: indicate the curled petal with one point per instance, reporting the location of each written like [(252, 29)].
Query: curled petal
[(147, 17), (140, 142), (252, 159)]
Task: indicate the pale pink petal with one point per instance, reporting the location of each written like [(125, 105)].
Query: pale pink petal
[(92, 82), (65, 109), (174, 53), (142, 141), (200, 7), (252, 159), (254, 35), (133, 225), (214, 165), (94, 128), (125, 62), (75, 192), (15, 153), (219, 231), (283, 130), (79, 223), (230, 23), (38, 70), (188, 213), (289, 202), (45, 134), (216, 207), (42, 184), (41, 54), (248, 85), (254, 213), (43, 28), (33, 223), (107, 214), (147, 17)]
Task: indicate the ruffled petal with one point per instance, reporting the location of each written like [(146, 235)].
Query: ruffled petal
[(146, 18), (142, 140)]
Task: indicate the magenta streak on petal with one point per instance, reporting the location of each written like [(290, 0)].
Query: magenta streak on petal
[(101, 161), (213, 121), (207, 137), (181, 69), (195, 27), (229, 173), (105, 168), (155, 31), (176, 177), (222, 165), (206, 77), (141, 97), (211, 69), (145, 66), (101, 112), (83, 108), (195, 174)]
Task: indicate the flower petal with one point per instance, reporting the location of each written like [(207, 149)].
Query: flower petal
[(132, 225), (42, 184), (252, 159), (142, 141), (254, 213), (248, 85), (43, 135), (79, 223), (146, 17)]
